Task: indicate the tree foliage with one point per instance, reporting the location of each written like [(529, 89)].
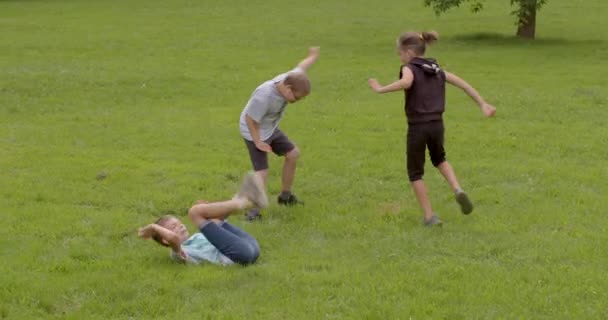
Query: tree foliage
[(525, 11)]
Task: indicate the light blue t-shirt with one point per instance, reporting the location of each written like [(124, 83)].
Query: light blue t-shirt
[(199, 250)]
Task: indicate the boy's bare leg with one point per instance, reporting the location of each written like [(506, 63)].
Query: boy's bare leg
[(289, 169), (423, 198)]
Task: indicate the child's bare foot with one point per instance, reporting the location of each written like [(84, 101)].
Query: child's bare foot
[(253, 190)]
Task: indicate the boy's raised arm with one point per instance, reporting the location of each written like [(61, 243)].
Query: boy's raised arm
[(313, 55)]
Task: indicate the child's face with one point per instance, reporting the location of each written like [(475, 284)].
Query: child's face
[(293, 95), (405, 55), (177, 227)]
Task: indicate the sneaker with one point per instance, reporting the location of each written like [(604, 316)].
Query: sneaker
[(252, 188), (466, 206), (253, 214), (288, 199), (434, 221)]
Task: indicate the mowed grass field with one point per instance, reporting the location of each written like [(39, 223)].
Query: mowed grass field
[(113, 113)]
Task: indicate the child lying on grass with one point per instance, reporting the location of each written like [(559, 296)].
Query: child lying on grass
[(218, 241)]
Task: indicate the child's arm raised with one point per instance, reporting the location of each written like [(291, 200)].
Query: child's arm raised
[(487, 109), (168, 236), (404, 83), (313, 55)]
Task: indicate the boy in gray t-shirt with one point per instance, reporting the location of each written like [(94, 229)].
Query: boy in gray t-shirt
[(259, 125)]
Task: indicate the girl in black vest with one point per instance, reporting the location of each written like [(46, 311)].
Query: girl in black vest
[(423, 81)]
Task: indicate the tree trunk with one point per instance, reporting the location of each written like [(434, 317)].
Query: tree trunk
[(526, 27)]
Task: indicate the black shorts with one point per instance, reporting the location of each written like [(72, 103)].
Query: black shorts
[(279, 143), (419, 137)]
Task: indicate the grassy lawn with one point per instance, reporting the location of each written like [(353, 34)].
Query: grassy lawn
[(115, 112)]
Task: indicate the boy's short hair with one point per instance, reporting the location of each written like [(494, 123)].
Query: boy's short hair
[(161, 222), (298, 81)]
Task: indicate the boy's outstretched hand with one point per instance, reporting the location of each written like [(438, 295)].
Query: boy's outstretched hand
[(313, 55), (488, 110), (263, 146)]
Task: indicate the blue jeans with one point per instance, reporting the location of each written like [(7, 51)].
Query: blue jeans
[(233, 242)]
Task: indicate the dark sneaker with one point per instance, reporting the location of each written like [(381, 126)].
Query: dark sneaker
[(253, 214), (253, 189), (288, 199), (466, 206), (434, 221)]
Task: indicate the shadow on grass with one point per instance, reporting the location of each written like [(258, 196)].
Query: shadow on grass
[(497, 39)]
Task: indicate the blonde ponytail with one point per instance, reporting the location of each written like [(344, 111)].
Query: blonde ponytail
[(429, 37), (417, 41)]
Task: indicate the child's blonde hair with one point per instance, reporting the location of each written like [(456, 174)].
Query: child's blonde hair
[(417, 41), (298, 81)]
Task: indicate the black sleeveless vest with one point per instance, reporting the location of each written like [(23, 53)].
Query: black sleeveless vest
[(425, 99)]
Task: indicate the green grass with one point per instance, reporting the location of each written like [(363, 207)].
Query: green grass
[(114, 112)]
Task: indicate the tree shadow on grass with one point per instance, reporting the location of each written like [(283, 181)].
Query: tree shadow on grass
[(497, 39)]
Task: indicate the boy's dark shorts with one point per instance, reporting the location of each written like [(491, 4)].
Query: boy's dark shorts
[(419, 137), (279, 143)]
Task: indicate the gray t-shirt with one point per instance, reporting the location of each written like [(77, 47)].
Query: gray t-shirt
[(266, 107)]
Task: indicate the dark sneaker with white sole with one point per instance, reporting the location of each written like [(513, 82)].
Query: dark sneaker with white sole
[(253, 214), (288, 199), (466, 206), (434, 221), (252, 188)]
